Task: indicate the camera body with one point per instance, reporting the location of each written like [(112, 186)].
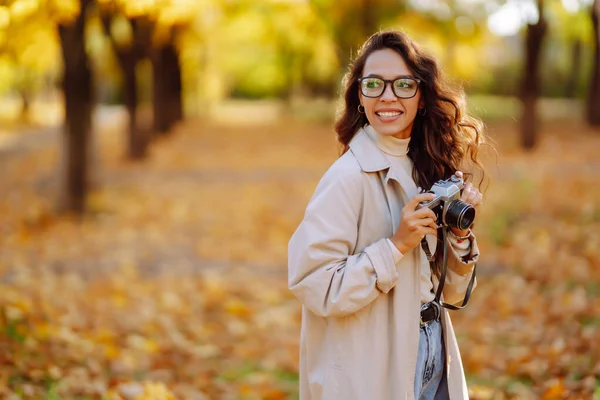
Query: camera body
[(447, 206)]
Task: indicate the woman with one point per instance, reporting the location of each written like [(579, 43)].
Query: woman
[(355, 261)]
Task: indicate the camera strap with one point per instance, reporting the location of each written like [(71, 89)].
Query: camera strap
[(442, 280)]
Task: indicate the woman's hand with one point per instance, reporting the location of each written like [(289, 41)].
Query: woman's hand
[(472, 196), (415, 224)]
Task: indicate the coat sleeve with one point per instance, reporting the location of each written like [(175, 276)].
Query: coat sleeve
[(324, 272), (462, 257)]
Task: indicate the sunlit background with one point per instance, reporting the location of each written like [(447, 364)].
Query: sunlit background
[(157, 155), (290, 49)]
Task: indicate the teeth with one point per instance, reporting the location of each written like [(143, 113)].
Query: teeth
[(389, 114)]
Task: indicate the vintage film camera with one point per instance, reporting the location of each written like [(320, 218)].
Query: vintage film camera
[(447, 206)]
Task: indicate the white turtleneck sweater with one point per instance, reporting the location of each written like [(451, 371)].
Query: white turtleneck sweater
[(396, 151)]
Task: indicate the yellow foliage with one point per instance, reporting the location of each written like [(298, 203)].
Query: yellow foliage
[(466, 62), (119, 300), (121, 31), (237, 307), (44, 331), (555, 391), (155, 391), (111, 351), (141, 343), (139, 8), (4, 17), (64, 11), (22, 9), (180, 12)]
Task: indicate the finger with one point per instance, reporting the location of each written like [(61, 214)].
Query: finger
[(432, 223), (427, 222), (414, 202), (459, 174), (470, 195), (466, 191), (477, 199), (474, 197), (425, 230), (421, 213), (470, 199)]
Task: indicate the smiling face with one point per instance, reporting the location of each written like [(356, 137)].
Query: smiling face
[(389, 114)]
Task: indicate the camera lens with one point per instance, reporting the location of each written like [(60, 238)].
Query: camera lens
[(460, 214)]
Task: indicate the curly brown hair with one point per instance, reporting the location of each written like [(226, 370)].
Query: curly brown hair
[(442, 139)]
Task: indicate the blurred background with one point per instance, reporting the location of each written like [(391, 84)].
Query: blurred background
[(157, 155)]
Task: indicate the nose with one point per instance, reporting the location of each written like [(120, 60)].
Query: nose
[(388, 93)]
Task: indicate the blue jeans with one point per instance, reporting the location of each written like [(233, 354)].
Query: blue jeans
[(430, 376)]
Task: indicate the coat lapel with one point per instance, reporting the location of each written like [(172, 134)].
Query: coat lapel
[(372, 159)]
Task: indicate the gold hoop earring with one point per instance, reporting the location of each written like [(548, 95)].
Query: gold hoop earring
[(422, 111), (359, 109)]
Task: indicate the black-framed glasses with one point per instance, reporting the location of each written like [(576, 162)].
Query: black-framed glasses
[(404, 88)]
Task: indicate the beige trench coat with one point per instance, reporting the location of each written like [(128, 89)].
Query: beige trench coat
[(360, 313)]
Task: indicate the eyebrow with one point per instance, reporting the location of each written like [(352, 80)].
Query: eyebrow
[(397, 77)]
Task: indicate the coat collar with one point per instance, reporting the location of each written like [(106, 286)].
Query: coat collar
[(369, 156), (372, 159)]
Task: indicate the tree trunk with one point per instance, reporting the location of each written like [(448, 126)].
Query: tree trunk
[(128, 60), (77, 86), (576, 53), (593, 111), (167, 88), (530, 84), (176, 86), (25, 104), (159, 101), (137, 141)]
